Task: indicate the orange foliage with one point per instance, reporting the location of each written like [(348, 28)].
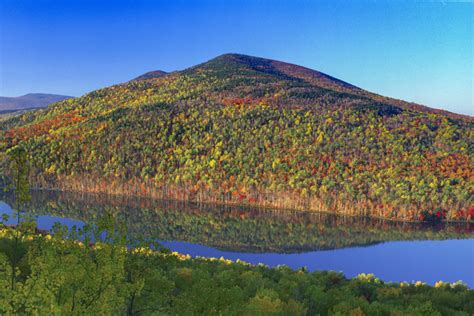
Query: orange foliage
[(38, 129)]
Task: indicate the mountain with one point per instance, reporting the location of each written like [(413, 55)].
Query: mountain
[(30, 101), (246, 130)]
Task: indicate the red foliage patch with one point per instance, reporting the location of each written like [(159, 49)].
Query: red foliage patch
[(41, 128)]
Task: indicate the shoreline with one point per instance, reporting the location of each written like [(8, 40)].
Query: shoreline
[(251, 205)]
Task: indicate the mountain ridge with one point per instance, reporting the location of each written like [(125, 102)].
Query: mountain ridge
[(29, 101), (306, 74)]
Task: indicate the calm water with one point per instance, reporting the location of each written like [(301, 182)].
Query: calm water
[(392, 251)]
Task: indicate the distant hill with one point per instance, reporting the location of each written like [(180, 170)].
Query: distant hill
[(151, 74), (30, 101), (239, 129)]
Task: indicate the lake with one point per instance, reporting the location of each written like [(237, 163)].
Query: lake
[(392, 251)]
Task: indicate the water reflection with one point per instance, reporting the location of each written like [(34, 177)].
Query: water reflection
[(237, 229)]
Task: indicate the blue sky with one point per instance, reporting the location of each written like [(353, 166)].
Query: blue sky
[(412, 50)]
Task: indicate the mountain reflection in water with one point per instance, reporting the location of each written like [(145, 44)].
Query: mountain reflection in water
[(231, 228)]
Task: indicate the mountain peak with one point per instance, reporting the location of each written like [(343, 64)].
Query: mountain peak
[(151, 74), (232, 63), (250, 76), (241, 58)]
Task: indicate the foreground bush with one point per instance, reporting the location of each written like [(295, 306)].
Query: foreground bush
[(44, 274)]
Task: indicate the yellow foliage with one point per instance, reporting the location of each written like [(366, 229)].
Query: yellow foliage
[(212, 163)]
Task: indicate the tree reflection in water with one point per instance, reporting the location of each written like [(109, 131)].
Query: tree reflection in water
[(236, 228)]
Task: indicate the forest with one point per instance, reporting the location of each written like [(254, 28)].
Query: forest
[(250, 131)]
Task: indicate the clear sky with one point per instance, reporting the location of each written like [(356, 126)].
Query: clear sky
[(419, 51)]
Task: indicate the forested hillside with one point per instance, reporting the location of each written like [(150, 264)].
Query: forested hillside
[(246, 130)]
